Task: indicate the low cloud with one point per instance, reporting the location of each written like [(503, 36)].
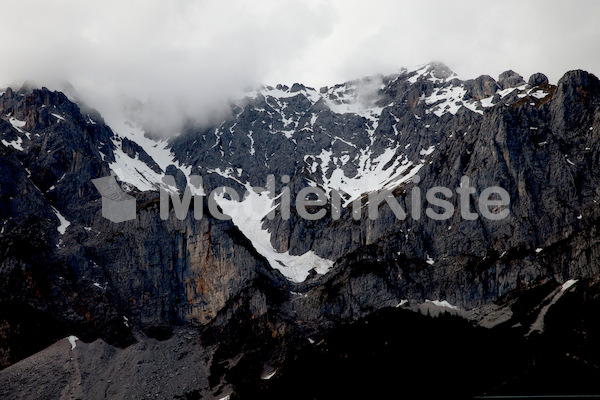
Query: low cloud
[(170, 62), (165, 61)]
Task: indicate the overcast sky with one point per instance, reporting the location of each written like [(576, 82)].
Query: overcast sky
[(183, 58)]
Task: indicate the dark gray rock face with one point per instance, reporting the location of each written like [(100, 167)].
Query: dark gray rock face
[(134, 150), (180, 179), (537, 79), (539, 155), (89, 277), (510, 79), (480, 88), (97, 279)]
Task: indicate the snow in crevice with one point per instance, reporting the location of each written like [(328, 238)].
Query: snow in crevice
[(248, 215), (64, 224), (288, 122), (568, 284), (402, 303), (442, 303), (217, 134), (134, 171), (59, 118), (73, 341), (252, 151), (226, 173), (343, 141)]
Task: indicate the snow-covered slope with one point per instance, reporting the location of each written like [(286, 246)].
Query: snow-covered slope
[(346, 137)]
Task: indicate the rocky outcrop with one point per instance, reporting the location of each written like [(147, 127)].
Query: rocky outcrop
[(538, 79), (510, 79), (480, 88)]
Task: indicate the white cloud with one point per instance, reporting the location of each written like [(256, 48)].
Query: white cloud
[(184, 58)]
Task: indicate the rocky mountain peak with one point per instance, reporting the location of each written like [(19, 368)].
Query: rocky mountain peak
[(432, 70), (510, 79), (538, 79), (440, 70)]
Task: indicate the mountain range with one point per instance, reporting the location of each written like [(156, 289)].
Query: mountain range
[(347, 306)]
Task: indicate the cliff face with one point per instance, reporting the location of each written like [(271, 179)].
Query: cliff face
[(544, 153), (68, 270)]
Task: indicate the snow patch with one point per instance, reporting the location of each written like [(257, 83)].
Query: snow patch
[(402, 303), (16, 144), (134, 171), (268, 376), (64, 224), (73, 339), (372, 174), (17, 124), (446, 100), (248, 214), (539, 94), (568, 284), (58, 117), (442, 303), (428, 151)]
